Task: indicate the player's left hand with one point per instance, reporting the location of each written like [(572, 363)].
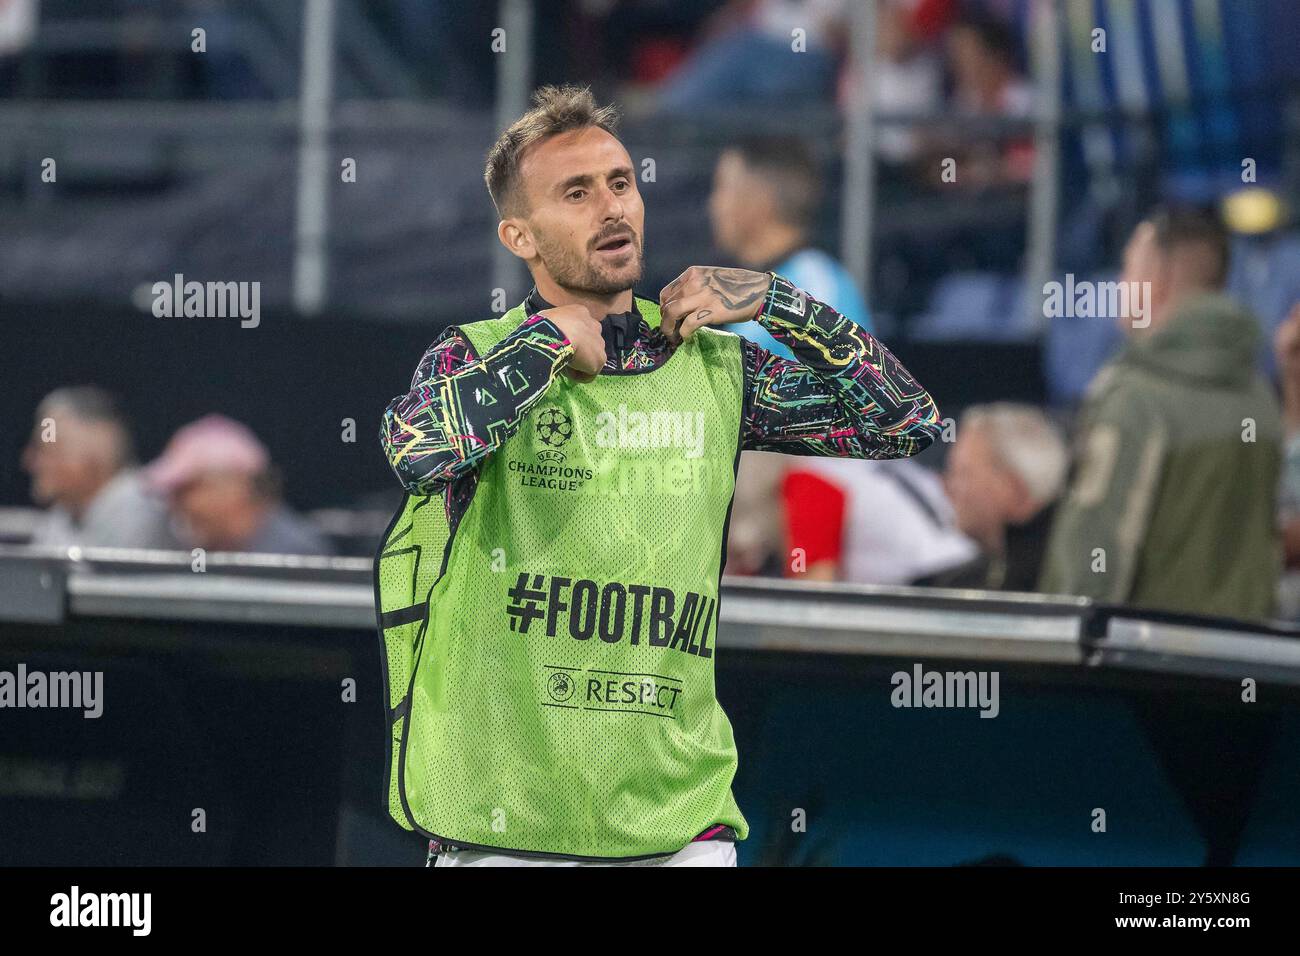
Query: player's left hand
[(710, 295)]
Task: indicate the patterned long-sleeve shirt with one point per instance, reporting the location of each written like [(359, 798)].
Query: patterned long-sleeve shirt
[(847, 395)]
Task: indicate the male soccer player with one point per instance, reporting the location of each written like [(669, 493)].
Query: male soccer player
[(548, 593)]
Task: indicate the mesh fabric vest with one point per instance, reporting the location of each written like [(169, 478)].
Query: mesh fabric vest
[(550, 664)]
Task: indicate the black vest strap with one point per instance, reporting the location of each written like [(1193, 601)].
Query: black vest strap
[(403, 615)]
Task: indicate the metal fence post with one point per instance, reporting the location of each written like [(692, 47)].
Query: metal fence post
[(1045, 190), (310, 267), (857, 201), (514, 78)]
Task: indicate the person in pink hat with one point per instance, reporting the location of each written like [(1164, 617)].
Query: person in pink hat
[(224, 493)]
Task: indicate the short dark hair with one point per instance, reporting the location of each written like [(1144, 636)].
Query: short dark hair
[(993, 34), (1180, 226), (556, 109), (788, 164), (90, 403)]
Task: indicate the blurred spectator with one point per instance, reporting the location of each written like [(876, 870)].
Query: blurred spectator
[(765, 199), (906, 80), (870, 522), (225, 493), (1173, 503), (81, 461), (981, 52), (747, 54), (930, 18), (1286, 345), (986, 79), (1003, 477), (224, 70), (17, 30), (442, 43), (756, 532), (641, 42), (17, 25)]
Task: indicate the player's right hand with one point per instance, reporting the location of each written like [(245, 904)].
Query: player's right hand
[(583, 333)]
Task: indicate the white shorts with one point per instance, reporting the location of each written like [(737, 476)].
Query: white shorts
[(703, 853)]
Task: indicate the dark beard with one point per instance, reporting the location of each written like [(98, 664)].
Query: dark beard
[(576, 274)]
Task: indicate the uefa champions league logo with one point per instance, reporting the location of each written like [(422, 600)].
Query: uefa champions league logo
[(554, 428)]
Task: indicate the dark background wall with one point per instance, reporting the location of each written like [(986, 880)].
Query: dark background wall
[(248, 723)]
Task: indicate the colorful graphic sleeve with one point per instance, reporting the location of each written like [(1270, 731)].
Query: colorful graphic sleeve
[(462, 408), (846, 397)]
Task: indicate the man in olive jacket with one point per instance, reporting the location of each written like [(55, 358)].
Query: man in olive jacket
[(1172, 505)]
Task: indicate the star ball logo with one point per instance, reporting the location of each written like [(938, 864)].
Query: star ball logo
[(554, 427)]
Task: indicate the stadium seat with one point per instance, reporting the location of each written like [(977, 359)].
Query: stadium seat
[(977, 306)]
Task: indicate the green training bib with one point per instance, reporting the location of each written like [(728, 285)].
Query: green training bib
[(550, 664)]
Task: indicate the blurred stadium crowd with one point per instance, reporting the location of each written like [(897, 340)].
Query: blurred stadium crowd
[(1161, 467)]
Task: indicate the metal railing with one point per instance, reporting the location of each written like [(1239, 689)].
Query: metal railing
[(50, 585)]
